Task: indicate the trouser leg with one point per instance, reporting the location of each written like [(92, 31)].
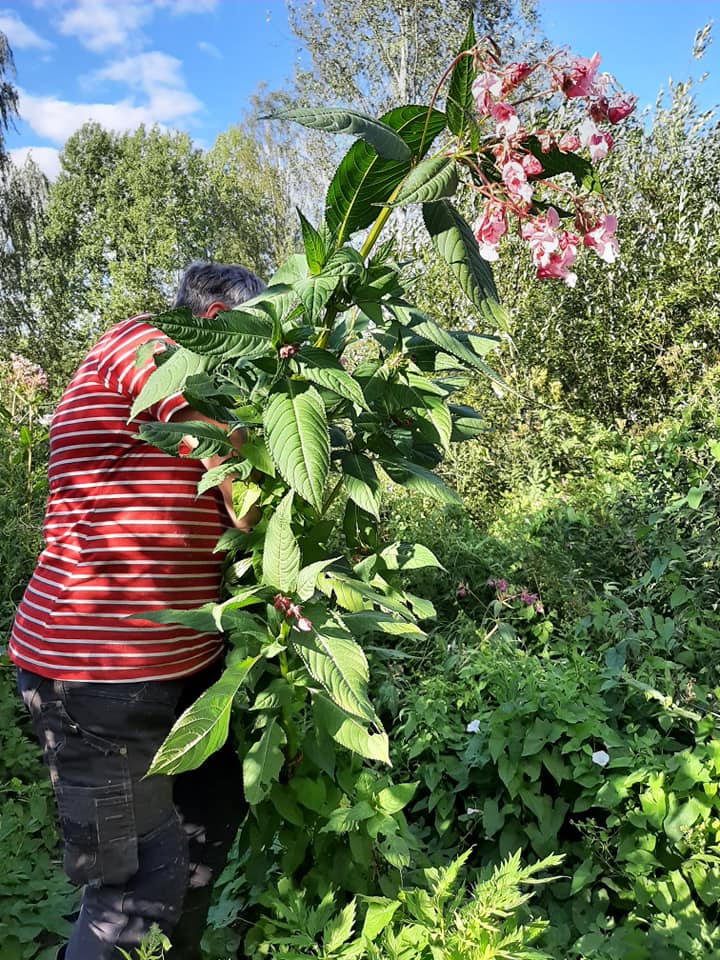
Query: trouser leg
[(120, 915), (122, 837)]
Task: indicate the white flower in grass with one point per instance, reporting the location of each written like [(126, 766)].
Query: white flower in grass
[(601, 758), (471, 811), (473, 726)]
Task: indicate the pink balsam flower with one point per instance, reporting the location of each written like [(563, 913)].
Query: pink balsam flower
[(602, 239), (553, 251), (515, 179), (598, 142), (506, 120), (568, 143), (621, 106), (578, 79), (304, 625), (486, 89), (513, 75), (490, 227), (288, 350), (281, 603), (531, 165)]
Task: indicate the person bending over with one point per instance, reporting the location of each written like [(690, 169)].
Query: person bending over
[(125, 532)]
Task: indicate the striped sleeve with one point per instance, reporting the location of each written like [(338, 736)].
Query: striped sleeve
[(120, 372)]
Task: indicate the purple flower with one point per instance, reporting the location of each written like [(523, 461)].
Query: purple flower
[(461, 591), (528, 598), (501, 586)]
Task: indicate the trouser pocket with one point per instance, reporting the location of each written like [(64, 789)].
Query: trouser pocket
[(93, 788), (98, 829)]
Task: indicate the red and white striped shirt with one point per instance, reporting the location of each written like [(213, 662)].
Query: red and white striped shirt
[(124, 533)]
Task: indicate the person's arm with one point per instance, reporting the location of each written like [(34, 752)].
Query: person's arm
[(237, 438)]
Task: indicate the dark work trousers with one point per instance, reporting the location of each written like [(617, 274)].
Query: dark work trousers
[(146, 850)]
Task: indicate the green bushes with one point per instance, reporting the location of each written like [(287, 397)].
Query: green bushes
[(564, 702), (23, 482), (35, 897), (569, 703)]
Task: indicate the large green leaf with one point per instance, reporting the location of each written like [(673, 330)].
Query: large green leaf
[(379, 135), (202, 728), (200, 619), (232, 333), (409, 556), (349, 731), (431, 331), (289, 272), (296, 433), (467, 423), (316, 248), (209, 617), (315, 292), (281, 553), (361, 482), (417, 478), (434, 421), (256, 453), (263, 763), (377, 621), (215, 476), (431, 179), (337, 582), (364, 181), (324, 369), (336, 661), (460, 105), (453, 238), (212, 440), (308, 577), (168, 379)]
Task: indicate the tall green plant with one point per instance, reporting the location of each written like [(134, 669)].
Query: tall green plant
[(343, 384)]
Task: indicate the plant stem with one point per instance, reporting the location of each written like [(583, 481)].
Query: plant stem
[(327, 326), (286, 713), (376, 228)]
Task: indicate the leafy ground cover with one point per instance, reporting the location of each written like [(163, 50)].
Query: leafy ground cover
[(563, 703), (568, 703)]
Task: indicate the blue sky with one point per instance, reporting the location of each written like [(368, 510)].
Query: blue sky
[(193, 64)]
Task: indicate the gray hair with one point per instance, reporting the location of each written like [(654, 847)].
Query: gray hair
[(205, 283)]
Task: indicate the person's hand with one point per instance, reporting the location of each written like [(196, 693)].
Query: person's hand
[(248, 520)]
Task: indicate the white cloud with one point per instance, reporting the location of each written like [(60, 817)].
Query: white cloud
[(47, 158), (147, 71), (181, 7), (210, 49), (102, 24), (57, 119), (20, 35)]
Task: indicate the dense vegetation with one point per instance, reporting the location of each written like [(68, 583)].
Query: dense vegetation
[(564, 699)]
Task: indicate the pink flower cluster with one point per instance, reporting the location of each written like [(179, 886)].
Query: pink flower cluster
[(288, 350), (502, 588), (26, 376), (519, 172), (289, 609)]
